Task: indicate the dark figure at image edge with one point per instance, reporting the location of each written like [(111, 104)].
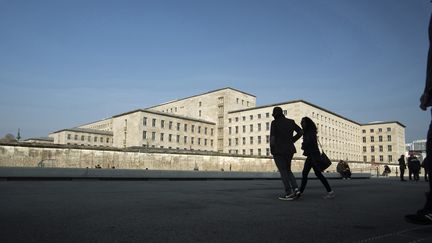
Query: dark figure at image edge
[(312, 153), (402, 167), (424, 215), (283, 149)]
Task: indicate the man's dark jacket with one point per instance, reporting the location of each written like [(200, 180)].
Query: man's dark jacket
[(281, 136)]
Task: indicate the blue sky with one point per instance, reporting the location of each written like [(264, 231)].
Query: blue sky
[(66, 63)]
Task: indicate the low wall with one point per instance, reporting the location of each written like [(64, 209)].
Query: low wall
[(23, 155)]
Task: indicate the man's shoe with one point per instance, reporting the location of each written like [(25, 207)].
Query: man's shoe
[(288, 197), (422, 219), (330, 195)]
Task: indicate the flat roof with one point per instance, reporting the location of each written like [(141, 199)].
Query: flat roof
[(85, 130), (383, 122), (291, 102), (41, 139), (212, 91), (165, 114)]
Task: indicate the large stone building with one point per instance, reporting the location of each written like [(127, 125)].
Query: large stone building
[(228, 121)]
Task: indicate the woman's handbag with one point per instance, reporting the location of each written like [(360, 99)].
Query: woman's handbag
[(324, 161)]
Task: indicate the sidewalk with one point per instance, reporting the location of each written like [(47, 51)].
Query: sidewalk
[(208, 211)]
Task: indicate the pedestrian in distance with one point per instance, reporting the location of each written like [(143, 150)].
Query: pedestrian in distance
[(410, 167), (424, 166), (424, 215), (344, 170), (282, 148), (402, 167), (312, 153)]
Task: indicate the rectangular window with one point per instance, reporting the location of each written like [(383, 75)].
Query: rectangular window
[(144, 134), (69, 136), (364, 148), (244, 151), (251, 128), (229, 142), (259, 116), (193, 128), (363, 131), (236, 129), (390, 158), (251, 140), (95, 139), (388, 129), (211, 131), (259, 152), (161, 137), (364, 158), (244, 140), (380, 148), (267, 152), (162, 123), (267, 115), (185, 140), (389, 148), (153, 122), (389, 138), (243, 118), (170, 125), (379, 129), (259, 127), (371, 130), (364, 139), (205, 130), (372, 149), (267, 139), (372, 139), (236, 141), (145, 121), (185, 127), (199, 141), (178, 139), (205, 142), (178, 126), (170, 137), (251, 117), (229, 120), (229, 130), (82, 137), (381, 158), (153, 136), (267, 126), (244, 128), (373, 158), (259, 139), (251, 151), (192, 140), (380, 138)]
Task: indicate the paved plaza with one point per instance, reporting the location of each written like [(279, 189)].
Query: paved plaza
[(364, 210)]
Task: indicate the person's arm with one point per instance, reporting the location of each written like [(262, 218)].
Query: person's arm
[(427, 93), (272, 136), (299, 132)]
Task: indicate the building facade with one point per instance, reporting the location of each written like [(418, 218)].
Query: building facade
[(228, 121)]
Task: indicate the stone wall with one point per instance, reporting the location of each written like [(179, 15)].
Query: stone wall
[(23, 155)]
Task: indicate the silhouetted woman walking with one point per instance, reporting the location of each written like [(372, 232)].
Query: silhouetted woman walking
[(312, 153)]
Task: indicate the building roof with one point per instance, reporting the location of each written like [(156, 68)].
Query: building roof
[(47, 139), (318, 107), (165, 114), (85, 130), (295, 101), (212, 91), (383, 122)]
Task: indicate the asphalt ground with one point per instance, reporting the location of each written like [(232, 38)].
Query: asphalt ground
[(364, 210)]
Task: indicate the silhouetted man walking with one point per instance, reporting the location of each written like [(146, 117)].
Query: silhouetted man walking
[(424, 215), (283, 149)]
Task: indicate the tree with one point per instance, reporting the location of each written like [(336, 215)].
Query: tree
[(8, 138)]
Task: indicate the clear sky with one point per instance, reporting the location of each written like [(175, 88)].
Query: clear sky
[(65, 63)]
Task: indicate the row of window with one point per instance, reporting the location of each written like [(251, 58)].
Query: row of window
[(259, 152), (333, 121), (243, 102), (380, 148), (176, 138), (83, 138), (178, 126), (251, 128), (251, 140), (380, 158), (379, 130), (177, 148), (250, 117), (87, 145), (380, 139)]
